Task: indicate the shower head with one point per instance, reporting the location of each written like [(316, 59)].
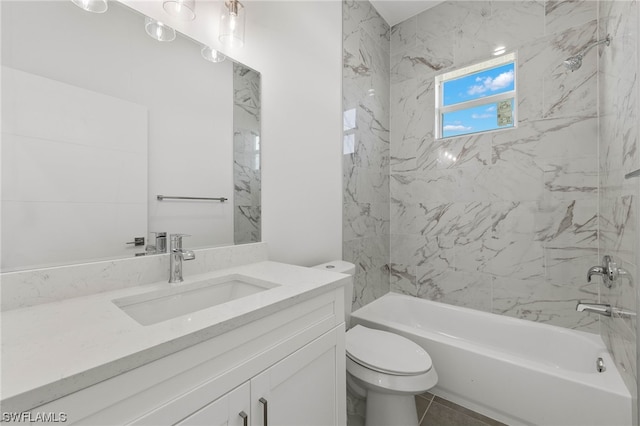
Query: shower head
[(574, 62)]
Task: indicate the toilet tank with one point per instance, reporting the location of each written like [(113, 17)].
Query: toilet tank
[(344, 268)]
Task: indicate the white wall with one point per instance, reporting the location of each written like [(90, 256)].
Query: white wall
[(297, 47)]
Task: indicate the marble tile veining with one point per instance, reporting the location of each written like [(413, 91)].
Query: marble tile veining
[(511, 223), (367, 42)]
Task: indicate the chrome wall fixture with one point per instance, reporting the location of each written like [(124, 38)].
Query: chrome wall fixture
[(176, 197), (609, 271), (575, 62), (232, 19)]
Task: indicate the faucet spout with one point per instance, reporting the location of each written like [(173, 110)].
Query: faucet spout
[(598, 308), (176, 255)]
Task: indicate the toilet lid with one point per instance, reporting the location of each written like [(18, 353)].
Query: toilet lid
[(386, 352)]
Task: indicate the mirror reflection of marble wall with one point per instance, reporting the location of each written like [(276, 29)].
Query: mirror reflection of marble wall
[(80, 180), (246, 155)]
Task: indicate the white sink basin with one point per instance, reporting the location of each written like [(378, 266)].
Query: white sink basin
[(161, 305)]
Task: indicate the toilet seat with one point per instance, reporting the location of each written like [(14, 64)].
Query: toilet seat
[(386, 352)]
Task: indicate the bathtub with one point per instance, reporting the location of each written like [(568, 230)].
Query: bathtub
[(515, 371)]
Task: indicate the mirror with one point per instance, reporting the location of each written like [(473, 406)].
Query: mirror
[(98, 119)]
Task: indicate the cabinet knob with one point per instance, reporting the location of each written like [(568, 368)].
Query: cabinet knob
[(245, 418), (264, 407)]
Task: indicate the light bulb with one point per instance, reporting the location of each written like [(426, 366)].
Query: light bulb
[(159, 31), (95, 6), (185, 10), (212, 55), (232, 20)]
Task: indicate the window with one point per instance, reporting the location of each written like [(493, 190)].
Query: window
[(478, 98)]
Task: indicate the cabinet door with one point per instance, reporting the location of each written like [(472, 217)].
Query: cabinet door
[(231, 409), (304, 389)]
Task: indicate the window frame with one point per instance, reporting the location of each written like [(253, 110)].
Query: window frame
[(441, 79)]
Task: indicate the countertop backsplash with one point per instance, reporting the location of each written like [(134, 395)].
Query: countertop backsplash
[(22, 289)]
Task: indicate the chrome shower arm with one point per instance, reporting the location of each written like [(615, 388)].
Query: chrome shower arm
[(606, 41)]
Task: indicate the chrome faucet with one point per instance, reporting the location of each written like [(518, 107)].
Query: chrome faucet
[(176, 255), (598, 308), (595, 270), (604, 309), (609, 271)]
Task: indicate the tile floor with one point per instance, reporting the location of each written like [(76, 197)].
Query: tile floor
[(432, 411), (435, 411)]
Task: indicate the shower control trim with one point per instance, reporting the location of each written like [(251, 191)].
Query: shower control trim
[(609, 271)]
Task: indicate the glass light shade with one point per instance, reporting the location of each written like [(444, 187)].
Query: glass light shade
[(184, 10), (232, 24), (158, 30), (95, 6), (212, 55)]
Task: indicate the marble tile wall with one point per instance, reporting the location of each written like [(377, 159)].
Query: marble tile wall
[(511, 226), (366, 149), (246, 156), (619, 218)]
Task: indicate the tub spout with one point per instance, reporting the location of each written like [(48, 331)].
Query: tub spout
[(604, 309), (598, 308)]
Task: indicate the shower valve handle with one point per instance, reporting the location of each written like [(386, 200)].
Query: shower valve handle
[(609, 271)]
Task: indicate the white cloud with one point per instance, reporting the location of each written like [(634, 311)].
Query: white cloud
[(480, 116), (492, 84), (455, 128)]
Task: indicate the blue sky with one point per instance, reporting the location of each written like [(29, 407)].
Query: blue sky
[(481, 118)]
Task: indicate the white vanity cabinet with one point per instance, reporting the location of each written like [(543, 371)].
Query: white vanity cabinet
[(299, 390), (302, 389), (292, 359)]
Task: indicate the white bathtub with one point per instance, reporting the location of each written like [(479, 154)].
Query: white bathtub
[(515, 371)]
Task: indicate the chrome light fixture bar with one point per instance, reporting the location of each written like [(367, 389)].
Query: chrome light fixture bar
[(94, 6), (158, 30), (184, 10), (232, 19)]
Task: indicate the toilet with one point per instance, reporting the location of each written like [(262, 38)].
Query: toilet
[(385, 368)]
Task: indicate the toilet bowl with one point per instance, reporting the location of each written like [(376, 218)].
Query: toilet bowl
[(385, 368)]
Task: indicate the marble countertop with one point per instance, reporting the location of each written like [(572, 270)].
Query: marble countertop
[(52, 350)]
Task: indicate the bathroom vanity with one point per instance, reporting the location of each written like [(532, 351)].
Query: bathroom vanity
[(273, 355)]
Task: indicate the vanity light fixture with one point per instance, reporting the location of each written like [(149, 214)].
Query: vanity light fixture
[(184, 10), (95, 6), (158, 30), (212, 55), (232, 20)]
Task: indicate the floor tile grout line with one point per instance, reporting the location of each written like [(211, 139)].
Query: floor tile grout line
[(425, 411)]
